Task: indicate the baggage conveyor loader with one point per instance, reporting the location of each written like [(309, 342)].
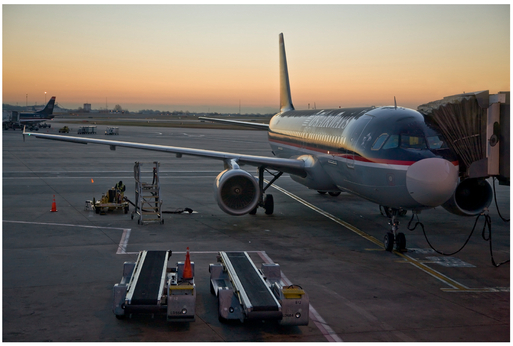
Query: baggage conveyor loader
[(244, 292), (151, 285)]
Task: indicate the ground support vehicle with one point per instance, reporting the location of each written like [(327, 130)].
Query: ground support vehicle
[(87, 130), (112, 131), (151, 285), (112, 200), (244, 292), (64, 129), (12, 121)]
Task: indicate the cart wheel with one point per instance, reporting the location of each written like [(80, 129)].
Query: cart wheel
[(97, 210), (126, 210), (132, 216)]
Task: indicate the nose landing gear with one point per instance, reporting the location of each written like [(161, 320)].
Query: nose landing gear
[(394, 237)]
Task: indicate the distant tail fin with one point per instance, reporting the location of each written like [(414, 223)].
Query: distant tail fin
[(285, 98), (49, 107)]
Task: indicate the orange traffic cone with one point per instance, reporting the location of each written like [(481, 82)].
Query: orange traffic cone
[(54, 206), (187, 268)]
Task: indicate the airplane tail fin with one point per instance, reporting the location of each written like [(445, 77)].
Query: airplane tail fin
[(285, 98), (49, 107)]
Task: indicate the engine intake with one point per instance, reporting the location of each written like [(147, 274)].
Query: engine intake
[(236, 191), (471, 197)]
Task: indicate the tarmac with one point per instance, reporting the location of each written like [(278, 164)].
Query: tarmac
[(59, 267)]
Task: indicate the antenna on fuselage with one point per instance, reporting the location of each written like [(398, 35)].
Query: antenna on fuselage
[(395, 103)]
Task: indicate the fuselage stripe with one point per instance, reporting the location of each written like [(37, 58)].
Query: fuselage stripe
[(356, 157)]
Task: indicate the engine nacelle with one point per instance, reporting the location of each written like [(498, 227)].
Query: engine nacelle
[(470, 198), (236, 191)]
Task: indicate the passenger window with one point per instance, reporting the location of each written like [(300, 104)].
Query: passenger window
[(413, 142), (379, 141), (392, 142)]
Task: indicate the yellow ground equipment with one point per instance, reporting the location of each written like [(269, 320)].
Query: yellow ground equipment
[(112, 200)]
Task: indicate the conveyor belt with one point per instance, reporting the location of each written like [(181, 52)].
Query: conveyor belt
[(256, 290), (149, 283)]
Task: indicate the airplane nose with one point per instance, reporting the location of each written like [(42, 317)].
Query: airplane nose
[(432, 181)]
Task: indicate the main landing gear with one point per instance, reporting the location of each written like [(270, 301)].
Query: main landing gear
[(266, 201), (394, 237)]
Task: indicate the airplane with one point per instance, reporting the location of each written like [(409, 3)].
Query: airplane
[(387, 155), (33, 120)]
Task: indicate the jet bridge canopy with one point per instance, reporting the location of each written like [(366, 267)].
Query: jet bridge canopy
[(476, 126)]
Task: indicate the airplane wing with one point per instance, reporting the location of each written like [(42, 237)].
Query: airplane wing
[(237, 122), (291, 166)]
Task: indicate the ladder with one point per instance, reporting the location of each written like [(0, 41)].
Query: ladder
[(147, 195)]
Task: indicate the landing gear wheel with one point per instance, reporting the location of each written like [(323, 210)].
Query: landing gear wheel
[(334, 194), (389, 241), (403, 212), (253, 211), (400, 242), (322, 192), (269, 204)]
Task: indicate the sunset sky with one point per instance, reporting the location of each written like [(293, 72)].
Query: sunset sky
[(211, 57)]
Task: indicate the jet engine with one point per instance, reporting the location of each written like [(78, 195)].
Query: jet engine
[(236, 191), (470, 198)]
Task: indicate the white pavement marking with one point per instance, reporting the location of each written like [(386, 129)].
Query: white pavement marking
[(325, 329), (122, 244)]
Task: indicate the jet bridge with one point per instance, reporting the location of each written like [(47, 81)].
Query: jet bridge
[(244, 292), (476, 127)]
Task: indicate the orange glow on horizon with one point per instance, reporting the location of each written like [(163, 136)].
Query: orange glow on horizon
[(179, 56)]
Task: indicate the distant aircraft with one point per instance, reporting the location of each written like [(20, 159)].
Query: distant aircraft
[(387, 155), (33, 120)]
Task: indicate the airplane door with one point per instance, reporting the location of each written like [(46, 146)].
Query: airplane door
[(359, 127)]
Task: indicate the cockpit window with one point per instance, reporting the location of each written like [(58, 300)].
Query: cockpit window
[(437, 142), (379, 141), (413, 142), (384, 141), (392, 142)]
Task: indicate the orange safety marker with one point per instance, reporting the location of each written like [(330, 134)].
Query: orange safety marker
[(54, 205), (187, 268)]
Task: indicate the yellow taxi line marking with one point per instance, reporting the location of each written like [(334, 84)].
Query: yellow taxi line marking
[(448, 281)]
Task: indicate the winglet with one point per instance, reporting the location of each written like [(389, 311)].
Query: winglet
[(24, 132), (285, 98)]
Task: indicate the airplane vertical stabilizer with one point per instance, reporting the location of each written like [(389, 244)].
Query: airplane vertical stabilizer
[(285, 98), (49, 107)]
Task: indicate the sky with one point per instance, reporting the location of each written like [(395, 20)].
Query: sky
[(216, 57)]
